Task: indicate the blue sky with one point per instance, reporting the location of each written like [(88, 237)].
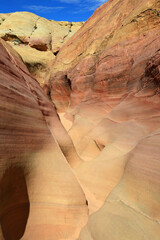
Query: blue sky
[(59, 10)]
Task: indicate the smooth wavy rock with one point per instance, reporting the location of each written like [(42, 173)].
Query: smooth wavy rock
[(105, 84), (40, 197), (133, 208)]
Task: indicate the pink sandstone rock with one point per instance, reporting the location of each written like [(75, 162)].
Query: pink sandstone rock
[(40, 198), (105, 85)]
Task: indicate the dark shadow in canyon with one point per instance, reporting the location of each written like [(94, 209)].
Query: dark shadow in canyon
[(14, 203)]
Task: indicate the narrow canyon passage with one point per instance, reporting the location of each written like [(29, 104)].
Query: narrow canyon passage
[(80, 126)]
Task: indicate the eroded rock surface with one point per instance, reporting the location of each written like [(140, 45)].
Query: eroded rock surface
[(36, 39)]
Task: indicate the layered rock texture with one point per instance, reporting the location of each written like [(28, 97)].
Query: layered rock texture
[(98, 159), (36, 39)]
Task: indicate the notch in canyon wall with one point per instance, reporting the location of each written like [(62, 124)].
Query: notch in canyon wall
[(60, 89)]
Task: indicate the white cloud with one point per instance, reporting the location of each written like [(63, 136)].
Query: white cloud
[(102, 1), (85, 2), (40, 8), (94, 4), (70, 1), (88, 5), (80, 6)]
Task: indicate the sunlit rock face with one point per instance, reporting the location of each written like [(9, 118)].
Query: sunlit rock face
[(99, 156), (105, 83), (40, 198), (36, 39)]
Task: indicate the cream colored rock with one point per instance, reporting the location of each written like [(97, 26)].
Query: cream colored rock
[(133, 208), (37, 62), (24, 31)]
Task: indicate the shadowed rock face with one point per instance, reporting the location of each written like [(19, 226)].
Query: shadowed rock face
[(36, 39), (105, 85)]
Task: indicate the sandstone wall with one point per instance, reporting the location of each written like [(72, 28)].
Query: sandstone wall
[(40, 198)]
